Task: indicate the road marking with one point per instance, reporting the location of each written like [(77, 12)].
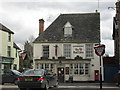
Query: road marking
[(15, 86), (85, 87), (8, 86)]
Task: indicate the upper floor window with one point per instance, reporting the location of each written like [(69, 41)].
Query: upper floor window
[(68, 30), (45, 50), (89, 50), (9, 37), (67, 50), (16, 53), (9, 51)]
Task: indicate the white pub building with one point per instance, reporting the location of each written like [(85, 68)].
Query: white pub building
[(66, 47)]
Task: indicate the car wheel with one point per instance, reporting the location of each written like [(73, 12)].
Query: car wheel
[(117, 84), (56, 85), (46, 87), (16, 82)]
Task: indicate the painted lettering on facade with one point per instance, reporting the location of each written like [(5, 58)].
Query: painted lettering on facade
[(78, 49)]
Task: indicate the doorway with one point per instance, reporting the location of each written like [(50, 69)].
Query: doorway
[(60, 72)]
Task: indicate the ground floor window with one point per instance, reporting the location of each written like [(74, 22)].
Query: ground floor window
[(7, 66), (79, 69), (71, 69), (45, 66), (15, 67), (67, 70)]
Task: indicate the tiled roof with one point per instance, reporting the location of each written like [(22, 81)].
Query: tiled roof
[(3, 28), (86, 28)]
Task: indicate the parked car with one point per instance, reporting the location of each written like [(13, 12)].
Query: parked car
[(9, 76), (37, 78), (117, 78)]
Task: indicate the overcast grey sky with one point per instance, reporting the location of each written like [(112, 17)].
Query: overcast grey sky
[(22, 16)]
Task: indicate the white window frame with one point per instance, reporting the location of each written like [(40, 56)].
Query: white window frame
[(81, 69), (45, 51), (84, 67), (68, 30), (89, 51), (67, 50)]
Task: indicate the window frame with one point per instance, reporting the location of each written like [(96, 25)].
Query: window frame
[(46, 51), (9, 51), (89, 51), (67, 50), (68, 30), (81, 67), (9, 37)]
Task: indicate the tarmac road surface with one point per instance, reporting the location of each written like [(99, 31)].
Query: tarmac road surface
[(67, 86)]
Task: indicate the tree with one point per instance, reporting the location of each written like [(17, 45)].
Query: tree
[(28, 48)]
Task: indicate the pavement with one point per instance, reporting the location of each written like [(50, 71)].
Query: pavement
[(88, 85)]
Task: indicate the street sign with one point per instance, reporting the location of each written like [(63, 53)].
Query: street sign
[(100, 50), (23, 55)]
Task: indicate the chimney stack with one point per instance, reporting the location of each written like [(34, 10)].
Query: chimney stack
[(41, 26)]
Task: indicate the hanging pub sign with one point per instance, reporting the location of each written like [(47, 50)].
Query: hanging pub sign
[(100, 50)]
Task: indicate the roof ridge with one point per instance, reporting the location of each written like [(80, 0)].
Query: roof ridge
[(79, 13)]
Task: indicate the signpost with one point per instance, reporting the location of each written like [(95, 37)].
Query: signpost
[(23, 56), (100, 50)]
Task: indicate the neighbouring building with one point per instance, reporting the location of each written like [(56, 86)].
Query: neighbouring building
[(9, 56), (66, 47), (116, 33), (110, 65)]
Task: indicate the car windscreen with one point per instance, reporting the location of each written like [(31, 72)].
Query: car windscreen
[(16, 72), (33, 72)]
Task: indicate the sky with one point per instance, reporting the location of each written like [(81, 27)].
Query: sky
[(22, 16)]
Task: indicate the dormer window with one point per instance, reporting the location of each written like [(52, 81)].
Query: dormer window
[(68, 30)]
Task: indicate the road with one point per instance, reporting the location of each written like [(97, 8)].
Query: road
[(67, 87)]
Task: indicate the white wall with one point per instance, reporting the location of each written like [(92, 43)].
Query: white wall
[(94, 63), (0, 42), (37, 50)]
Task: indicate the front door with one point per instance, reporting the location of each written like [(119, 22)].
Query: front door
[(60, 72)]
